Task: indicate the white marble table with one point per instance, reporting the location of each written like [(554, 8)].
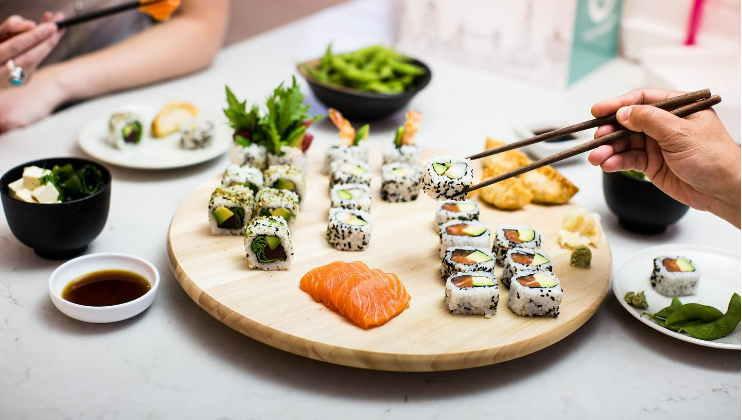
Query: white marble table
[(176, 361)]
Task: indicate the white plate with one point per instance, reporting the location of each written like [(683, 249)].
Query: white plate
[(719, 280), (151, 153)]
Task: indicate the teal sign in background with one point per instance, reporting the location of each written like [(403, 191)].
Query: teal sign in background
[(595, 38)]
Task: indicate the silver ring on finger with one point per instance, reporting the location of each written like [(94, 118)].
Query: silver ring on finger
[(17, 74)]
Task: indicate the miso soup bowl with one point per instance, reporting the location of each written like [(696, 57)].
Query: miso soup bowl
[(79, 266)]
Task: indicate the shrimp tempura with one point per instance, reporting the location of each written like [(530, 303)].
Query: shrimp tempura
[(411, 125), (347, 132)]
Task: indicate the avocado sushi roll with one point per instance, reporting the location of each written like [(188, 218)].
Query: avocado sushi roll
[(230, 210), (463, 233), (252, 155), (535, 293), (509, 237), (400, 182), (275, 202), (268, 244), (351, 197), (447, 177), (244, 175), (288, 155), (124, 128), (341, 152), (349, 230), (459, 259), (353, 172), (675, 276), (472, 293), (456, 210), (521, 259), (286, 177), (196, 133)]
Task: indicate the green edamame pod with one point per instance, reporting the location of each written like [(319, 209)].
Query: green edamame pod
[(691, 311), (721, 327), (665, 312), (677, 328)]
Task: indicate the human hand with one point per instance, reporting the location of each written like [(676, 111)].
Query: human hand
[(693, 160), (23, 105), (27, 43)]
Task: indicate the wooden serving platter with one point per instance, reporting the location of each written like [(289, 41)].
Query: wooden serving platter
[(270, 307)]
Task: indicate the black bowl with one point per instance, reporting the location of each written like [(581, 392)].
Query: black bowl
[(640, 206), (360, 105), (57, 231)]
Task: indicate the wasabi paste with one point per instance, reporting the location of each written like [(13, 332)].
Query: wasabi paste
[(581, 257), (637, 300)]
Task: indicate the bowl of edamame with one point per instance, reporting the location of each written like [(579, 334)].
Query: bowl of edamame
[(366, 84)]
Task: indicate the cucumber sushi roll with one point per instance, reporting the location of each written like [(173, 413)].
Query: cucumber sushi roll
[(459, 259), (509, 237), (230, 210), (675, 276), (351, 197), (252, 155), (447, 177), (124, 128), (535, 293), (400, 182), (196, 133), (288, 155), (354, 172), (247, 176), (472, 293), (456, 210), (275, 202), (521, 259), (406, 148), (268, 244), (286, 177), (343, 153), (463, 233), (349, 230)]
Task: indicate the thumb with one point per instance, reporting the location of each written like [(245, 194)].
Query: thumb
[(668, 129)]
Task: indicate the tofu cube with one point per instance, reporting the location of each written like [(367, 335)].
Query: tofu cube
[(25, 195), (46, 194), (32, 176), (15, 186)]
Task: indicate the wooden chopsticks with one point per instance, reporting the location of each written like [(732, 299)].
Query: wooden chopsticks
[(688, 104)]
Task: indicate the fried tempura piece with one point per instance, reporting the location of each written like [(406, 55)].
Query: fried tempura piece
[(506, 161), (509, 194)]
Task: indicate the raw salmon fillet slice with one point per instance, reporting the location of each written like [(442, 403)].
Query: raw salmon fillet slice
[(368, 297)]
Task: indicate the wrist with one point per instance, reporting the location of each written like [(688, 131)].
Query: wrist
[(728, 199), (52, 77)]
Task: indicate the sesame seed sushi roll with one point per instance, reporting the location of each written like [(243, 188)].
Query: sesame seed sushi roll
[(463, 233), (459, 259), (230, 210), (535, 293), (288, 155), (447, 177), (400, 182), (286, 177), (248, 176), (343, 153), (275, 202), (268, 244), (251, 155), (354, 172), (522, 259), (196, 133), (456, 210), (675, 276), (406, 148), (351, 197), (472, 293), (124, 128), (509, 237), (349, 230)]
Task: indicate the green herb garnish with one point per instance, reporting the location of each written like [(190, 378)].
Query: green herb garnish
[(74, 184), (361, 135), (258, 247)]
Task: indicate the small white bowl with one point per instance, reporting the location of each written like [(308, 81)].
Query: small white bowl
[(74, 268)]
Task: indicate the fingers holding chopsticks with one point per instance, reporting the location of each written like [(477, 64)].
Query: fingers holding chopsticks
[(635, 97), (28, 43)]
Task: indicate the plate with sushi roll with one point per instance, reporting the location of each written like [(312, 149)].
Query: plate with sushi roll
[(687, 291), (150, 137)]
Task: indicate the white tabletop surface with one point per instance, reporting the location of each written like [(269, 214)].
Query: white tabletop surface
[(176, 361)]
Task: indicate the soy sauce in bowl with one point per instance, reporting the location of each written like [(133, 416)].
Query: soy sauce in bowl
[(106, 288)]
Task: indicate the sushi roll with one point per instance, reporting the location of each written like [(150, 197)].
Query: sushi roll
[(463, 233), (286, 177), (289, 156), (354, 172), (248, 176), (268, 244), (535, 293), (344, 153), (459, 259), (230, 209), (509, 237), (275, 202), (406, 148), (675, 276), (349, 230), (472, 293), (196, 133), (456, 210), (351, 197), (251, 155), (400, 182), (447, 177), (124, 128), (521, 259)]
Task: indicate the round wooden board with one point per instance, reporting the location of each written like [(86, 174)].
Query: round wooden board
[(270, 307)]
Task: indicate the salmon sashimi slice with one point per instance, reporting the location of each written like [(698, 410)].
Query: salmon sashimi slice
[(368, 297)]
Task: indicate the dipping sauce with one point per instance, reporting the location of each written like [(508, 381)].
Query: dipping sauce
[(106, 288), (555, 140)]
